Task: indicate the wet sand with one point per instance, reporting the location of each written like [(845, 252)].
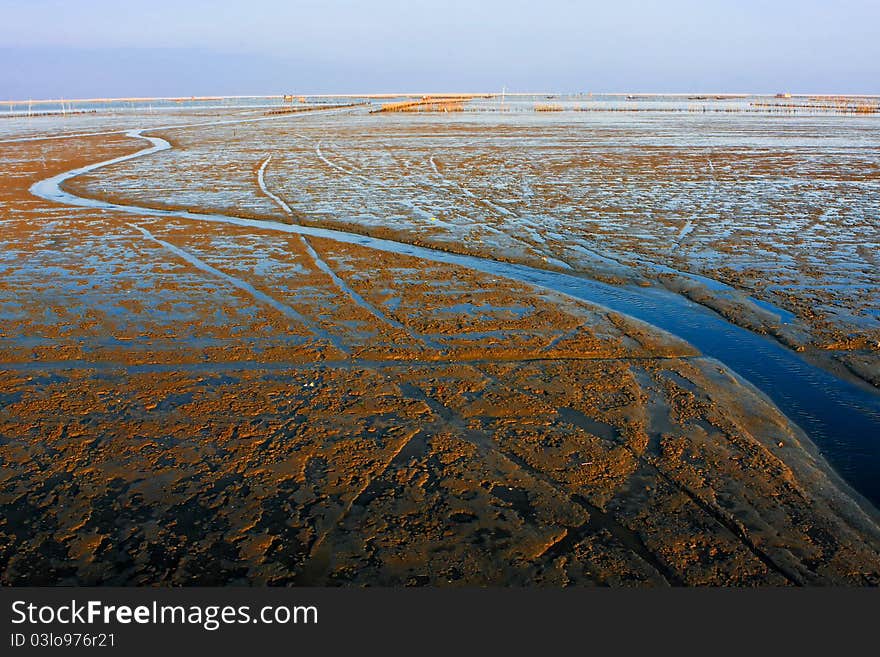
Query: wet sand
[(767, 221), (193, 403)]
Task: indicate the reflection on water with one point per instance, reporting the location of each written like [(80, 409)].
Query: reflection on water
[(842, 418)]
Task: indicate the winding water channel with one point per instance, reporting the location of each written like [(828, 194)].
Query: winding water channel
[(841, 417)]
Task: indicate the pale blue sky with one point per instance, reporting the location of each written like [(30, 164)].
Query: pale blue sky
[(84, 48)]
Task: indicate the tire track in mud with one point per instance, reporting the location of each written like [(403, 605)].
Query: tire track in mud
[(320, 154), (597, 519), (657, 408), (201, 124), (601, 519), (337, 280), (688, 227), (502, 213), (530, 246), (829, 397), (410, 205), (244, 286), (406, 203), (312, 571), (464, 190), (50, 189)]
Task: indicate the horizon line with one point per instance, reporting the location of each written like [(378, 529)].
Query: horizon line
[(381, 95)]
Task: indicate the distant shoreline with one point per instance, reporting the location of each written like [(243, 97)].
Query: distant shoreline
[(421, 94)]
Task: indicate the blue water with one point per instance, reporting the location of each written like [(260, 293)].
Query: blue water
[(841, 417)]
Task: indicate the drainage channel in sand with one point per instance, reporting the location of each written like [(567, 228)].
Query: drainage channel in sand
[(841, 417)]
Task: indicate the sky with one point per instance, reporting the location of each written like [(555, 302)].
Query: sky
[(110, 48)]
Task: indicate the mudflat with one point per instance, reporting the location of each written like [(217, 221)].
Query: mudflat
[(185, 401)]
